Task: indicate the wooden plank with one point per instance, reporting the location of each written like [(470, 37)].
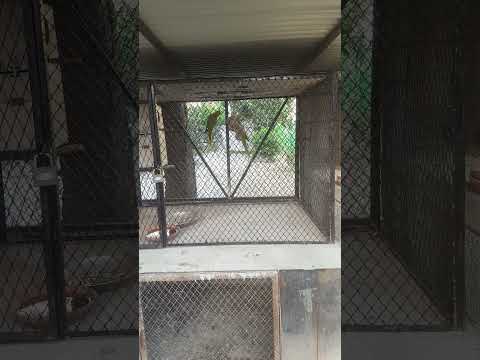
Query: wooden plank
[(277, 350)]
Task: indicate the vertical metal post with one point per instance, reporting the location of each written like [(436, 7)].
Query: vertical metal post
[(227, 139), (375, 130), (299, 149), (3, 220), (157, 163), (459, 285), (53, 244), (334, 109)]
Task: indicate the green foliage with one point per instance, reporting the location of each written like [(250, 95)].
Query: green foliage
[(280, 140), (259, 113), (256, 116), (272, 144), (288, 139)]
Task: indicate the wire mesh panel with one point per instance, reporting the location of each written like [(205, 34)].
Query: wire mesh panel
[(231, 151), (379, 292), (401, 165), (472, 275), (23, 278), (93, 120), (212, 316), (356, 100), (422, 171)]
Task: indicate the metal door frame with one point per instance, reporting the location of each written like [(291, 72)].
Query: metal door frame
[(229, 195)]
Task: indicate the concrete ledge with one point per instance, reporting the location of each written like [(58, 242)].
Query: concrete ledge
[(240, 258)]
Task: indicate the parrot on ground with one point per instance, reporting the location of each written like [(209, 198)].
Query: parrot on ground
[(211, 123), (235, 125)]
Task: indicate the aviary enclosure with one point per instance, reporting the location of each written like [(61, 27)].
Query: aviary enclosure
[(246, 160)]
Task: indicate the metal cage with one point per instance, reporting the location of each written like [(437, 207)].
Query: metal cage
[(248, 160), (210, 316), (403, 181), (68, 214)]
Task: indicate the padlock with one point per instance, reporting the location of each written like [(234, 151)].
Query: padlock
[(45, 171), (158, 176)]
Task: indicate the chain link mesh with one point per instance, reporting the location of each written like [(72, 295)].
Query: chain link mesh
[(472, 278), (268, 178), (210, 318), (91, 92), (399, 166), (356, 98), (22, 256), (378, 291)]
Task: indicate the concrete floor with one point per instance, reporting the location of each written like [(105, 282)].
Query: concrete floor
[(239, 223), (378, 290), (24, 264)]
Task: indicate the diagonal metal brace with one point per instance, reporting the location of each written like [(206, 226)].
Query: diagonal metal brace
[(187, 135), (272, 125)]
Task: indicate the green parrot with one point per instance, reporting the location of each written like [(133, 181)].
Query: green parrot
[(211, 123), (235, 125)]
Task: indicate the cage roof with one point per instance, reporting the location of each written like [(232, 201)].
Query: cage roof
[(243, 88), (213, 38)]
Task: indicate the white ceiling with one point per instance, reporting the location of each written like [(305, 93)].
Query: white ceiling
[(200, 31)]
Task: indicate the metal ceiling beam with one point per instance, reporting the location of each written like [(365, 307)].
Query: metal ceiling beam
[(323, 45), (171, 60)]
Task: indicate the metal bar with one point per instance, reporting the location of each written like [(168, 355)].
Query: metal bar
[(200, 155), (205, 276), (227, 139), (3, 219), (334, 108), (249, 243), (376, 130), (298, 160), (276, 315), (13, 72), (354, 223), (171, 60), (12, 155), (157, 162), (206, 80), (103, 333), (332, 35), (459, 278), (53, 244), (272, 125), (213, 201)]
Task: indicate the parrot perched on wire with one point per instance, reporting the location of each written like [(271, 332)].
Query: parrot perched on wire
[(235, 125), (211, 123)]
